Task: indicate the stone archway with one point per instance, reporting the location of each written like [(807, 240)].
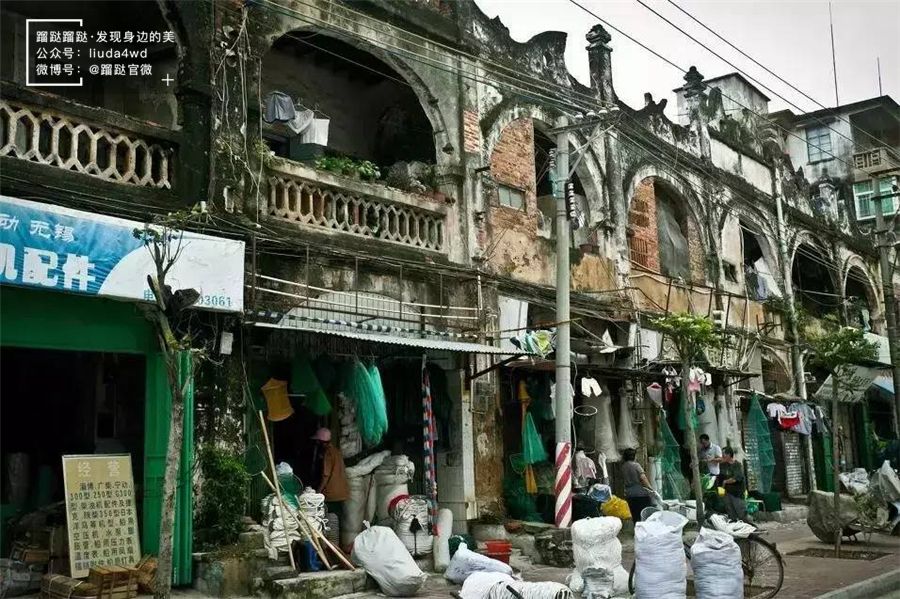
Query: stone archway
[(665, 225), (864, 308)]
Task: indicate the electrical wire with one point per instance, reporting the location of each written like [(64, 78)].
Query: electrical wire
[(739, 70), (768, 70), (724, 95)]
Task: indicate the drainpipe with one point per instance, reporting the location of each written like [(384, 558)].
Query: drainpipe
[(796, 355)]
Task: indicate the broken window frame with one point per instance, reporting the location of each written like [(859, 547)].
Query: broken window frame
[(505, 195)]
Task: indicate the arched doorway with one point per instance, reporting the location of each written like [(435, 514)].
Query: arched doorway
[(813, 281), (362, 108), (862, 304), (663, 235)]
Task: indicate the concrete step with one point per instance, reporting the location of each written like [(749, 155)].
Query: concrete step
[(280, 572), (321, 585)]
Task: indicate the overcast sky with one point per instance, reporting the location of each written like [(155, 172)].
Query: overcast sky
[(790, 37)]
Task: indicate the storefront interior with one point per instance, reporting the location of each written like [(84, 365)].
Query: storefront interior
[(57, 403)]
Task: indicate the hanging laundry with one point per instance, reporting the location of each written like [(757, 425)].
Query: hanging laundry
[(590, 387), (279, 108), (316, 132), (807, 418), (655, 392), (775, 409), (788, 420), (303, 118), (601, 463), (585, 470), (535, 342), (606, 432), (822, 425)]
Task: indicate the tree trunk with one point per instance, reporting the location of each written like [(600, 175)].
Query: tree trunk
[(170, 479), (835, 463), (692, 441)]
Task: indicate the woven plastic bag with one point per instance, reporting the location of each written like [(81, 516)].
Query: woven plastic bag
[(716, 563), (617, 508), (466, 562), (383, 556), (660, 565)]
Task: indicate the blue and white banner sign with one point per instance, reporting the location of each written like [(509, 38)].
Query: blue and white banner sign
[(49, 247)]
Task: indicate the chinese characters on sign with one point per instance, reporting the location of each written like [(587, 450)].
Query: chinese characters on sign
[(101, 513), (61, 52), (50, 247)]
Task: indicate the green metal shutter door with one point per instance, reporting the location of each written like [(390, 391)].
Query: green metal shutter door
[(155, 443)]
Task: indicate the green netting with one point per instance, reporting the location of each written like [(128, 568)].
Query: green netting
[(519, 504), (674, 485), (532, 447), (371, 413), (290, 488), (762, 461), (682, 421), (305, 382)]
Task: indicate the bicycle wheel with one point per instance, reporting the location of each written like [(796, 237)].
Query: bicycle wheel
[(763, 568)]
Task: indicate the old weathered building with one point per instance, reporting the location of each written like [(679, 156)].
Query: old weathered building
[(415, 209)]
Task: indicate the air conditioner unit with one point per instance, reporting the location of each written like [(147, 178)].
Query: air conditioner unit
[(874, 162)]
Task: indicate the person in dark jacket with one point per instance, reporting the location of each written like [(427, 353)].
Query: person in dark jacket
[(731, 477)]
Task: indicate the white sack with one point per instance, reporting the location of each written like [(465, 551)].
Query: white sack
[(594, 543), (886, 482), (466, 562), (598, 583), (367, 465), (382, 555), (627, 438), (355, 507), (660, 568), (479, 584), (442, 540), (716, 562)]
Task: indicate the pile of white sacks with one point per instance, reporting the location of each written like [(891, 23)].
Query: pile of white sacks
[(598, 559), (661, 566)]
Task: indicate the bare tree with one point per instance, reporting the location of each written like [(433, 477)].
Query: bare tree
[(165, 242)]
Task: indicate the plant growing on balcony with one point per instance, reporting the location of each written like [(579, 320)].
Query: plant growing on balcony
[(344, 165)]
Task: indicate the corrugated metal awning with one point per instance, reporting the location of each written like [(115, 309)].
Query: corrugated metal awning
[(435, 344)]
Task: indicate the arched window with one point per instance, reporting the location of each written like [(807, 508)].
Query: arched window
[(811, 275), (372, 113), (861, 302)]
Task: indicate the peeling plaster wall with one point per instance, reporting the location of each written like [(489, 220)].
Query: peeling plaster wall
[(841, 146), (751, 170)]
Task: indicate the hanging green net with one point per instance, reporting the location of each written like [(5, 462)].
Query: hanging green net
[(674, 484), (371, 412), (532, 446), (682, 421), (519, 504), (761, 461), (305, 382)]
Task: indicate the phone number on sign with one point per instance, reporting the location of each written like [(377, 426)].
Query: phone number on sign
[(216, 301)]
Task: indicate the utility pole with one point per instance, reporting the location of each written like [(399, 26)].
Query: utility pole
[(890, 303), (563, 487)]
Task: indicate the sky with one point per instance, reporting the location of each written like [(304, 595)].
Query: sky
[(790, 37)]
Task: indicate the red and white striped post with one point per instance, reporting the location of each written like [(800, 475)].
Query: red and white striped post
[(563, 488), (563, 485)]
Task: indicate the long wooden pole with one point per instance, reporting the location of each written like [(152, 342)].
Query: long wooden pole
[(265, 431)]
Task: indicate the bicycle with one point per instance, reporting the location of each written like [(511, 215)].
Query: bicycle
[(761, 562)]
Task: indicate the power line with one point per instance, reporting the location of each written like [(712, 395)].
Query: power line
[(738, 69), (683, 70), (777, 76)]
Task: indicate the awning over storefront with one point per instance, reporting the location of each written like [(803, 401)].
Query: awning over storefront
[(289, 322), (854, 384)]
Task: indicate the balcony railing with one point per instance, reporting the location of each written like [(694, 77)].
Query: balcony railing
[(327, 202), (62, 139), (877, 161)]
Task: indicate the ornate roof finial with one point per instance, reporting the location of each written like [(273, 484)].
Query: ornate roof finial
[(598, 36), (693, 85)]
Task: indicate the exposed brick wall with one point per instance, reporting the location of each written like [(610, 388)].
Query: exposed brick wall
[(644, 237), (471, 131), (512, 161), (644, 241)]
